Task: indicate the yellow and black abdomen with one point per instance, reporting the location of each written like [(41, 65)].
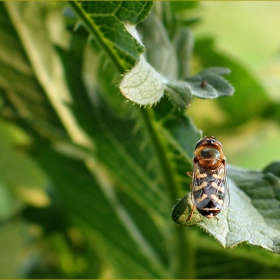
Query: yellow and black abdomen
[(208, 193)]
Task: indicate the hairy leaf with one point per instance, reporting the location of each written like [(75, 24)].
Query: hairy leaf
[(142, 85)]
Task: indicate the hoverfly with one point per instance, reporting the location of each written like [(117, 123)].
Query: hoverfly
[(209, 180)]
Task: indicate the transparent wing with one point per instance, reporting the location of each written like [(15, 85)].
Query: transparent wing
[(227, 198), (199, 183), (222, 190)]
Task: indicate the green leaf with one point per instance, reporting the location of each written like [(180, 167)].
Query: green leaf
[(43, 58), (263, 188), (18, 77), (113, 233), (111, 24), (252, 216), (142, 85), (209, 83), (160, 52), (179, 93), (184, 43), (145, 86), (117, 188)]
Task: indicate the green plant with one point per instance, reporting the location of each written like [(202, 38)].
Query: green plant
[(115, 170)]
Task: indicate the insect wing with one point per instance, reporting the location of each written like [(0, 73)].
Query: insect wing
[(199, 183), (221, 186), (227, 198)]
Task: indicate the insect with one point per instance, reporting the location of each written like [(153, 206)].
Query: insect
[(203, 84), (209, 179)]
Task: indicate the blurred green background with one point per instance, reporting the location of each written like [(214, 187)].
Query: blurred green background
[(246, 36)]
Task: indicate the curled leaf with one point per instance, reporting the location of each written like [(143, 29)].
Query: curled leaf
[(142, 84)]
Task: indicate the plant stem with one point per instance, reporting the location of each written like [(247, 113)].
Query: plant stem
[(92, 29), (182, 255)]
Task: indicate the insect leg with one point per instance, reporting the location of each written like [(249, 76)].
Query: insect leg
[(193, 208)]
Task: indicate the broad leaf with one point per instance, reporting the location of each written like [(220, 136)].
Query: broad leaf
[(69, 167), (110, 228), (115, 169), (143, 84), (252, 216), (110, 23), (263, 188)]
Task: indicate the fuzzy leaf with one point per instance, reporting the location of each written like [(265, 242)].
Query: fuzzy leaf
[(113, 26), (142, 85)]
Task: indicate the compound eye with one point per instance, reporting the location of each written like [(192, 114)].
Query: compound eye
[(210, 153)]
